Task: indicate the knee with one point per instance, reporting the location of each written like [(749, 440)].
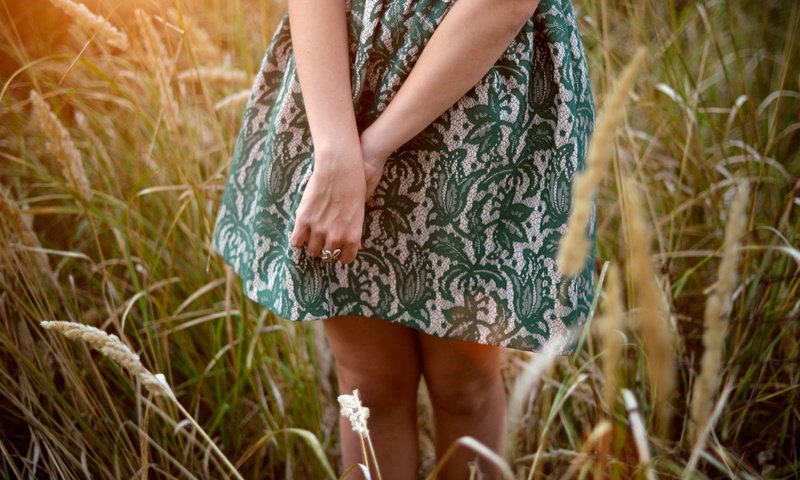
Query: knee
[(382, 388), (467, 394)]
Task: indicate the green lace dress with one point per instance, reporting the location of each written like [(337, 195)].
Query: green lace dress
[(460, 238)]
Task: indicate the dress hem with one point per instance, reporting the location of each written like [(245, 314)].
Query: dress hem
[(310, 318)]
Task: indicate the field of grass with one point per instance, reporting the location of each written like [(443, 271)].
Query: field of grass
[(111, 173)]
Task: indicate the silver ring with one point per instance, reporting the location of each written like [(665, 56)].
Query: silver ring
[(328, 256)]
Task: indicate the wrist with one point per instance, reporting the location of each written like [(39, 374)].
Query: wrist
[(373, 144), (337, 153)]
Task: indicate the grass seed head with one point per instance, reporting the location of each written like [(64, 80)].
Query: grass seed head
[(111, 346), (61, 146), (93, 22), (717, 310), (574, 247), (214, 74), (652, 311), (609, 328)]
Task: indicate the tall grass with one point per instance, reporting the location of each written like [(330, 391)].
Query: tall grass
[(122, 243)]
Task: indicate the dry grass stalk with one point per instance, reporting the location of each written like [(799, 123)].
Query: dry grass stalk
[(161, 64), (27, 350), (323, 358), (652, 313), (111, 346), (574, 246), (93, 22), (601, 432), (232, 100), (86, 129), (61, 146), (704, 431), (639, 431), (12, 217), (610, 326), (483, 452), (152, 41), (524, 388), (213, 74), (357, 413), (717, 310), (197, 38)]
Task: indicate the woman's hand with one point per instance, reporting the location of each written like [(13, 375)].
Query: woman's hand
[(375, 156), (331, 212)]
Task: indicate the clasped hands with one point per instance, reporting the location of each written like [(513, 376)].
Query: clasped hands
[(331, 211)]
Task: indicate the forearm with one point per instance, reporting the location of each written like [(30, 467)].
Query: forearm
[(320, 43), (468, 41)]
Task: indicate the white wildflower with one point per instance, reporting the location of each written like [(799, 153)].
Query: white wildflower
[(351, 407)]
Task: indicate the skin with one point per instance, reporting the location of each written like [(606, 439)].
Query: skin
[(384, 360)]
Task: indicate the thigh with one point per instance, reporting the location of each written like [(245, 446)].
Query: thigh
[(373, 354), (456, 370)]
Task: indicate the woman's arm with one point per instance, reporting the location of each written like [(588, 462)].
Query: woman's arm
[(468, 41), (331, 211), (321, 49)]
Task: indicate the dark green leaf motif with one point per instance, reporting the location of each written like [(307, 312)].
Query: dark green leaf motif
[(413, 277), (461, 236)]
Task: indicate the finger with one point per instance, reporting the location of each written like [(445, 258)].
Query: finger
[(349, 252), (299, 236), (371, 191), (315, 241)]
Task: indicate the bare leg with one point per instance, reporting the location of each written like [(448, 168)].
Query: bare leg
[(468, 398), (382, 360)]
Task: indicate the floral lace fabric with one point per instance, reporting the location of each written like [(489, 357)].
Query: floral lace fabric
[(462, 233)]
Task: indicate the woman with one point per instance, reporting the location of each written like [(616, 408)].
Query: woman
[(403, 173)]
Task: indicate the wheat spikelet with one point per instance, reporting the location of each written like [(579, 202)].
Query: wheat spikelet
[(213, 74), (652, 313), (92, 22), (61, 146), (574, 246), (12, 217), (717, 310), (111, 346)]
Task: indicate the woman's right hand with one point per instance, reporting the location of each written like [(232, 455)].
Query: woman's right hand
[(375, 155), (331, 211)]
